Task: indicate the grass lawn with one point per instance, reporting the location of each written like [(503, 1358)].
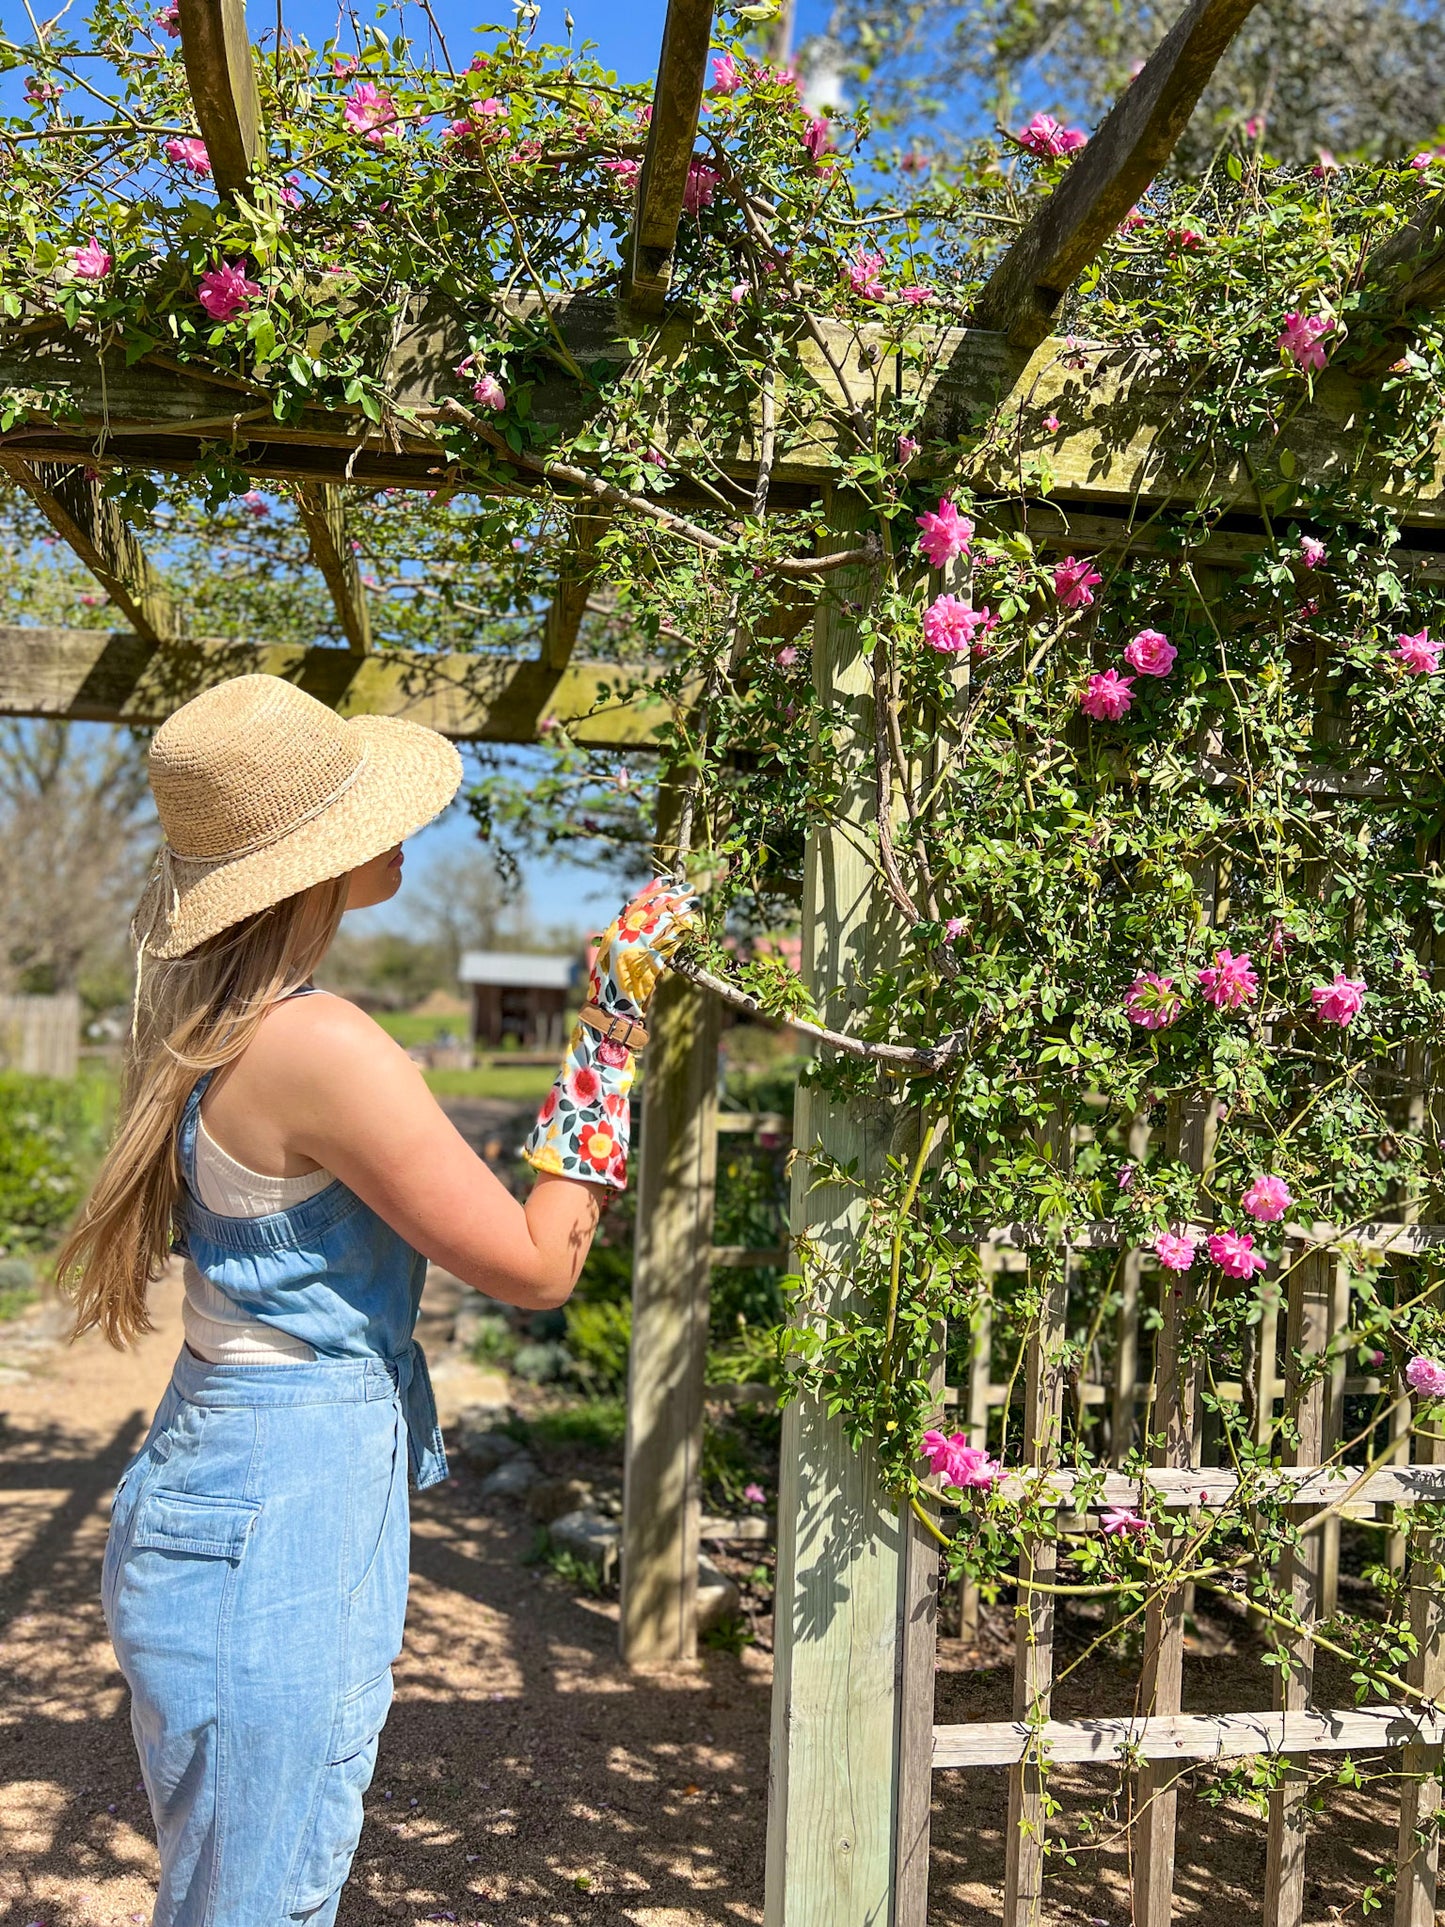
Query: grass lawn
[(515, 1083), (411, 1028)]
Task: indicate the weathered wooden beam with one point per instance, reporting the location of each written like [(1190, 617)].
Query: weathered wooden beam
[(843, 1588), (1021, 298), (677, 1166), (662, 185), (1404, 274), (1117, 447), (98, 534), (216, 49), (1187, 1736), (322, 508), (90, 675)]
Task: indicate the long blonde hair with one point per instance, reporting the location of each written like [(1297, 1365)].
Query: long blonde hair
[(194, 1014)]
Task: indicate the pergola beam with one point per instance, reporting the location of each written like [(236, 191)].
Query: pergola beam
[(322, 508), (93, 675), (662, 185), (221, 74), (99, 536), (1021, 298), (1405, 273)]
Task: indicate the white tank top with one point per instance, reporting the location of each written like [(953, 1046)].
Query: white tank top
[(216, 1327)]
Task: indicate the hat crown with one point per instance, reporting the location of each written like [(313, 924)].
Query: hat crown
[(244, 763)]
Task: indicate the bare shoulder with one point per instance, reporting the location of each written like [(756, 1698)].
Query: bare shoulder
[(325, 1039)]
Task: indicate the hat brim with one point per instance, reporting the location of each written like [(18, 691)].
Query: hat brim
[(409, 776)]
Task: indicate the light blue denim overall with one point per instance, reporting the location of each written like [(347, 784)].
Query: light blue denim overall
[(255, 1575)]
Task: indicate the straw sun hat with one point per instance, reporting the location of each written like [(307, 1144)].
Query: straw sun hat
[(262, 791)]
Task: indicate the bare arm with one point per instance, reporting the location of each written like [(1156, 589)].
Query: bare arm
[(345, 1095)]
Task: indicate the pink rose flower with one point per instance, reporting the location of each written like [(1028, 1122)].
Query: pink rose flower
[(786, 656), (754, 1495), (701, 185), (1419, 654), (371, 112), (1151, 653), (1425, 1376), (1174, 1252), (954, 928), (169, 21), (254, 503), (290, 194), (1234, 1253), (818, 137), (1116, 1522), (1152, 1002), (1048, 138), (226, 290), (961, 1464), (1133, 219), (726, 75), (1325, 165), (489, 392), (1311, 552), (1229, 981), (950, 624), (1075, 582), (1108, 696), (190, 154), (1125, 1175), (916, 294), (1304, 338), (1052, 424), (864, 272), (907, 449), (946, 535), (1184, 239), (92, 262), (1267, 1199), (626, 171), (1339, 1002)]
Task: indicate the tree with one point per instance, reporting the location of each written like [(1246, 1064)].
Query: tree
[(1343, 75), (75, 834)]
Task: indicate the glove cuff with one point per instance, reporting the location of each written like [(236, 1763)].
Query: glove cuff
[(616, 1028)]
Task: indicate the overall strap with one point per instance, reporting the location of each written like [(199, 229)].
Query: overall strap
[(190, 1123)]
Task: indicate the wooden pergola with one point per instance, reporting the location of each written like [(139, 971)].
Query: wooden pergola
[(852, 1752)]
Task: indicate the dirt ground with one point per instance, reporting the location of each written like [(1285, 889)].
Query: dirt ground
[(526, 1779)]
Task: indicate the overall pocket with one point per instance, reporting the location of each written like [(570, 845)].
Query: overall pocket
[(143, 1467), (326, 1858)]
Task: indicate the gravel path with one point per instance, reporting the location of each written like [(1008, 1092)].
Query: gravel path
[(525, 1778)]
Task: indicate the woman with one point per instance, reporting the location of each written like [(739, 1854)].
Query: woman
[(255, 1575)]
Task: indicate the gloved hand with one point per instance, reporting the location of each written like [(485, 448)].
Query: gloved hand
[(584, 1126)]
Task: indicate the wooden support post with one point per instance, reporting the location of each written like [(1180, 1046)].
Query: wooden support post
[(1126, 1348), (677, 1161), (1332, 1430), (1075, 223), (1171, 1425), (1034, 1636), (662, 185), (1310, 1289), (530, 695), (846, 1580), (322, 507), (976, 1410), (100, 537), (1418, 1854), (216, 48)]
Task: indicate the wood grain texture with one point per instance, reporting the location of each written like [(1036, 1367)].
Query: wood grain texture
[(671, 132), (322, 508), (92, 675), (1405, 273), (1182, 1737), (216, 48), (842, 1558), (1115, 450), (1082, 214), (1418, 1853), (97, 534), (677, 1170)]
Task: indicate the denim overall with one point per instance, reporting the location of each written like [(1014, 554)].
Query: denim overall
[(255, 1575)]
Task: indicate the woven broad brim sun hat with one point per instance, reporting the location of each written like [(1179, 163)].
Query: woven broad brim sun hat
[(263, 791)]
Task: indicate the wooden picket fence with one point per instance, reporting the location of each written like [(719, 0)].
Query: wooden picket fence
[(40, 1035)]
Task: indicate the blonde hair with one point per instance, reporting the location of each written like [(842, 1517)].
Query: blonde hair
[(194, 1013)]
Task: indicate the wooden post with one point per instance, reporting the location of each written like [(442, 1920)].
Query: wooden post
[(846, 1582), (1418, 1855), (1034, 1638), (1310, 1290), (216, 48), (322, 508), (1171, 1423), (99, 536), (677, 1159)]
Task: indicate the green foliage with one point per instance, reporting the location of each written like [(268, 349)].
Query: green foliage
[(588, 1424), (49, 1138), (598, 1337), (17, 1287)]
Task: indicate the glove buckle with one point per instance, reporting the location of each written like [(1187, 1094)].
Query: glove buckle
[(614, 1027)]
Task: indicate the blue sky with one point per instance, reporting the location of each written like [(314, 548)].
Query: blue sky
[(628, 34)]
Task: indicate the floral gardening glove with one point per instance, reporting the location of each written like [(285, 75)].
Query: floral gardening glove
[(584, 1125)]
